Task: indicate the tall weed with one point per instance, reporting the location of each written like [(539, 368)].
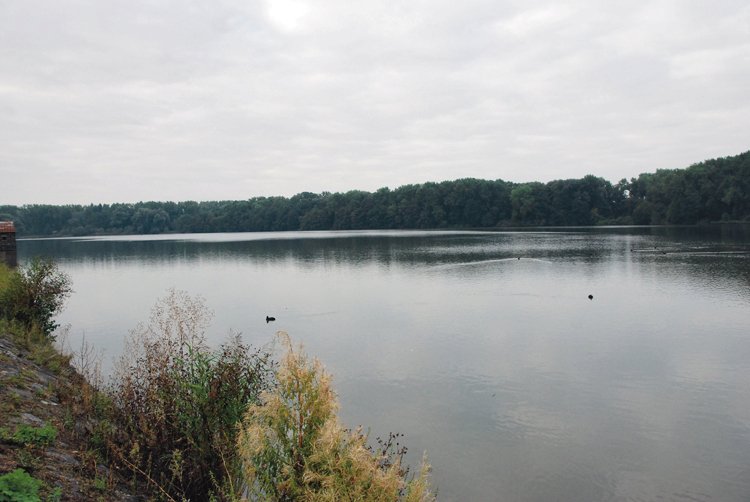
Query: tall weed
[(178, 403), (294, 448)]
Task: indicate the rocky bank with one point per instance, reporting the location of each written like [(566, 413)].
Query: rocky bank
[(49, 399)]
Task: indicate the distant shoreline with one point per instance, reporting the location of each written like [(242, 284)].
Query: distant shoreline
[(712, 191)]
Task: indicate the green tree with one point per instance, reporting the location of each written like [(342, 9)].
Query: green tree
[(529, 203)]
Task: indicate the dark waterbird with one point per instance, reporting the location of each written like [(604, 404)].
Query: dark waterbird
[(269, 319), (591, 297)]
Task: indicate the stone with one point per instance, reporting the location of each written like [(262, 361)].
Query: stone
[(30, 419)]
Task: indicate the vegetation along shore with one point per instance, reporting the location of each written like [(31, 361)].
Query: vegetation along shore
[(710, 191), (178, 420)]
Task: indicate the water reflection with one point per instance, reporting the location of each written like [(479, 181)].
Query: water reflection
[(483, 347)]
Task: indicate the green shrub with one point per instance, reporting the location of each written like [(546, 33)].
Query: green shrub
[(19, 486), (34, 294), (294, 448), (26, 435), (178, 403)]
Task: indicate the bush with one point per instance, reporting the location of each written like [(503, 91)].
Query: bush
[(293, 447), (34, 294), (177, 403), (19, 486)]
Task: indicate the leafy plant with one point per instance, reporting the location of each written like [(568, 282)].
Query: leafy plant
[(177, 403), (26, 435), (100, 484), (55, 495), (34, 294), (19, 486), (294, 448)]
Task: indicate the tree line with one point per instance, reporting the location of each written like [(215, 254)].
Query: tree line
[(711, 191)]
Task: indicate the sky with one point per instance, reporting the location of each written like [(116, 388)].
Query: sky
[(132, 100)]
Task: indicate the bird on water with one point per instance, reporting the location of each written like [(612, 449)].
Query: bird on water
[(591, 297), (269, 319)]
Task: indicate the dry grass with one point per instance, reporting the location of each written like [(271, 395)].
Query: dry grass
[(294, 448)]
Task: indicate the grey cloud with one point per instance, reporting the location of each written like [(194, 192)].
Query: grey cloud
[(125, 101)]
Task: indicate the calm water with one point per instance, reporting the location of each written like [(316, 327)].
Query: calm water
[(518, 386)]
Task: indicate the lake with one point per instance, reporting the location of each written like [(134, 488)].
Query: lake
[(483, 348)]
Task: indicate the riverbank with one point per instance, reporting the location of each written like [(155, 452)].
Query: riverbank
[(46, 431), (178, 421)]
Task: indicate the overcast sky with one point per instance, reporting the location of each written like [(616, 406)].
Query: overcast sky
[(122, 101)]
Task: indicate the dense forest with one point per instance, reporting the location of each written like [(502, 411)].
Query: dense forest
[(714, 190)]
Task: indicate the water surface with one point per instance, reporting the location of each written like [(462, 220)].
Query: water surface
[(483, 348)]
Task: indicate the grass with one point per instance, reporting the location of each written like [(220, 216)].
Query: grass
[(27, 435), (38, 346), (11, 403), (100, 484), (5, 276)]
